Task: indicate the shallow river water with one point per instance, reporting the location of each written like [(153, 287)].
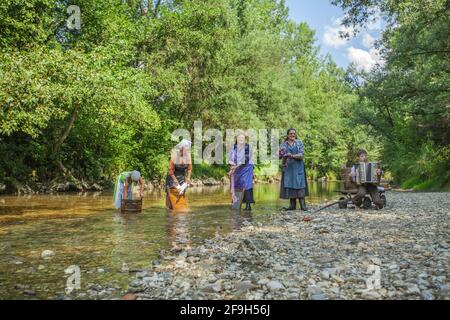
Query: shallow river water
[(86, 231)]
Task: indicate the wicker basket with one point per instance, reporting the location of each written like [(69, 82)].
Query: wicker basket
[(131, 206)]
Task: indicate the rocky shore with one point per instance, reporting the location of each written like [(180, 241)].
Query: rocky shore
[(400, 252)]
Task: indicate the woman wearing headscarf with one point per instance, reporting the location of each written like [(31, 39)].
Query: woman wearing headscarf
[(293, 178), (241, 173), (179, 176), (123, 187)]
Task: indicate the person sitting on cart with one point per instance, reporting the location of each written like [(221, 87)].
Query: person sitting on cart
[(367, 187), (124, 184)]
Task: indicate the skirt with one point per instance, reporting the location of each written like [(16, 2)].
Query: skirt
[(118, 193), (174, 201), (248, 196), (290, 193)]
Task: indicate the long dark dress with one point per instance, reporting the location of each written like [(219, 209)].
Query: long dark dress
[(293, 177)]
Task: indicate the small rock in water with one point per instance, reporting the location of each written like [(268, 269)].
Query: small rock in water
[(47, 253), (21, 286), (29, 292), (100, 270), (125, 268), (142, 274), (41, 267)]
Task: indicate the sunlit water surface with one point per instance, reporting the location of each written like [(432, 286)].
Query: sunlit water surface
[(85, 230)]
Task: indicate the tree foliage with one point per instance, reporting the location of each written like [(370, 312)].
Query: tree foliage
[(406, 101), (94, 102)]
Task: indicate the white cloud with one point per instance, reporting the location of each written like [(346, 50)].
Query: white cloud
[(332, 36), (375, 23), (368, 41), (364, 60)]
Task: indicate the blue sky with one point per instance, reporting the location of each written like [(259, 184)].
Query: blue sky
[(324, 19)]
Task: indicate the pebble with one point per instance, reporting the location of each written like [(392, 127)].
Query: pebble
[(47, 253), (214, 288), (244, 286), (426, 295), (412, 289), (274, 285)]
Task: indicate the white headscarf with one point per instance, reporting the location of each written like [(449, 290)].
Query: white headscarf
[(176, 158), (135, 176), (184, 144)]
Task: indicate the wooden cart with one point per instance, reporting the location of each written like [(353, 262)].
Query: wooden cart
[(351, 189)]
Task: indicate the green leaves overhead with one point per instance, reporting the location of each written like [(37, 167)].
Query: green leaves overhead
[(407, 101), (106, 98)]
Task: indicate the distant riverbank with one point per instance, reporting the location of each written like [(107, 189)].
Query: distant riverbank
[(62, 185)]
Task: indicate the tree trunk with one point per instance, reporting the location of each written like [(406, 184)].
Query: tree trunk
[(58, 144)]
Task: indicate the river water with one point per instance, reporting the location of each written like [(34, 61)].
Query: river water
[(84, 230)]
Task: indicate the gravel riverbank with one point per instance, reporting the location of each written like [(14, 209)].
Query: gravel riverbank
[(338, 254)]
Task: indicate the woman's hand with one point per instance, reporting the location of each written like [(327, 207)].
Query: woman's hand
[(288, 155)]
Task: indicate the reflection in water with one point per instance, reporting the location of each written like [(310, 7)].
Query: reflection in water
[(178, 230), (85, 230), (237, 219)]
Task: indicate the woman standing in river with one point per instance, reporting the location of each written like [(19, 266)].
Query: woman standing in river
[(241, 173), (179, 176), (293, 177)]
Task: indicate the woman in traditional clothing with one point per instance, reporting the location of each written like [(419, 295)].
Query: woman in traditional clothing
[(241, 173), (123, 187), (179, 176), (293, 178)]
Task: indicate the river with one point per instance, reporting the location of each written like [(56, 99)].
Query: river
[(86, 231)]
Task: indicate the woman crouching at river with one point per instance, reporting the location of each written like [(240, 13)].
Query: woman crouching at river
[(293, 178), (179, 176), (123, 189)]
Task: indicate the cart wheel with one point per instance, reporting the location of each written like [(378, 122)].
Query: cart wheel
[(367, 203), (383, 198), (342, 203)]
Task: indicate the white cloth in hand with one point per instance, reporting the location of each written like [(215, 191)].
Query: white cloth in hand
[(182, 188)]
